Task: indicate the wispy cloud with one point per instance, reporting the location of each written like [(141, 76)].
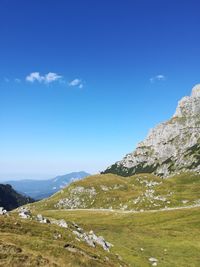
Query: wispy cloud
[(159, 77), (52, 77), (76, 83), (47, 78)]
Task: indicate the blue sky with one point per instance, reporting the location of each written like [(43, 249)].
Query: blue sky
[(82, 81)]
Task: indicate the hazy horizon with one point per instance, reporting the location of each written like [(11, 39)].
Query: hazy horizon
[(36, 176)]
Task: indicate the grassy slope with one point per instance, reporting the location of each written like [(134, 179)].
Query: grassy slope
[(29, 243), (132, 193), (173, 237)]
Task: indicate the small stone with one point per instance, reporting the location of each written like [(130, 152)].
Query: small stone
[(57, 236), (42, 219), (62, 223), (153, 259), (2, 211), (24, 213)]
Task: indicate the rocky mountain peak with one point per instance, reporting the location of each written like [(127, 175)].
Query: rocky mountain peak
[(196, 91), (171, 147), (189, 105)]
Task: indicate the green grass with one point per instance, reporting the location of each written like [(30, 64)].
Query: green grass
[(173, 237), (30, 243), (131, 193)]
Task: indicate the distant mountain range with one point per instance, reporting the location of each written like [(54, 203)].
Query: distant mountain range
[(39, 189), (10, 199)]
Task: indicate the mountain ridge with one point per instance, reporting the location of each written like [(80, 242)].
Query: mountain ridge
[(39, 189), (171, 147), (10, 199)]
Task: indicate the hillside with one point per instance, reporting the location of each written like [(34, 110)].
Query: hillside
[(39, 189), (27, 242), (135, 193), (170, 238), (171, 147), (10, 199), (146, 220)]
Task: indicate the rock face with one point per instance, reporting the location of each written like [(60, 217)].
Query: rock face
[(171, 147)]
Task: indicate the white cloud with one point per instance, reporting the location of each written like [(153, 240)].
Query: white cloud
[(47, 78), (34, 76), (76, 82), (52, 77), (159, 77)]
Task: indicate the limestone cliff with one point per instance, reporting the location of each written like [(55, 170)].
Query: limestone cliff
[(171, 147)]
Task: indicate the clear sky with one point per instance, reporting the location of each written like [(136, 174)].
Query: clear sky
[(82, 81)]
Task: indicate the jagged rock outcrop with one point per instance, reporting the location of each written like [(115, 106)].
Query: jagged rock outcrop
[(171, 147)]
